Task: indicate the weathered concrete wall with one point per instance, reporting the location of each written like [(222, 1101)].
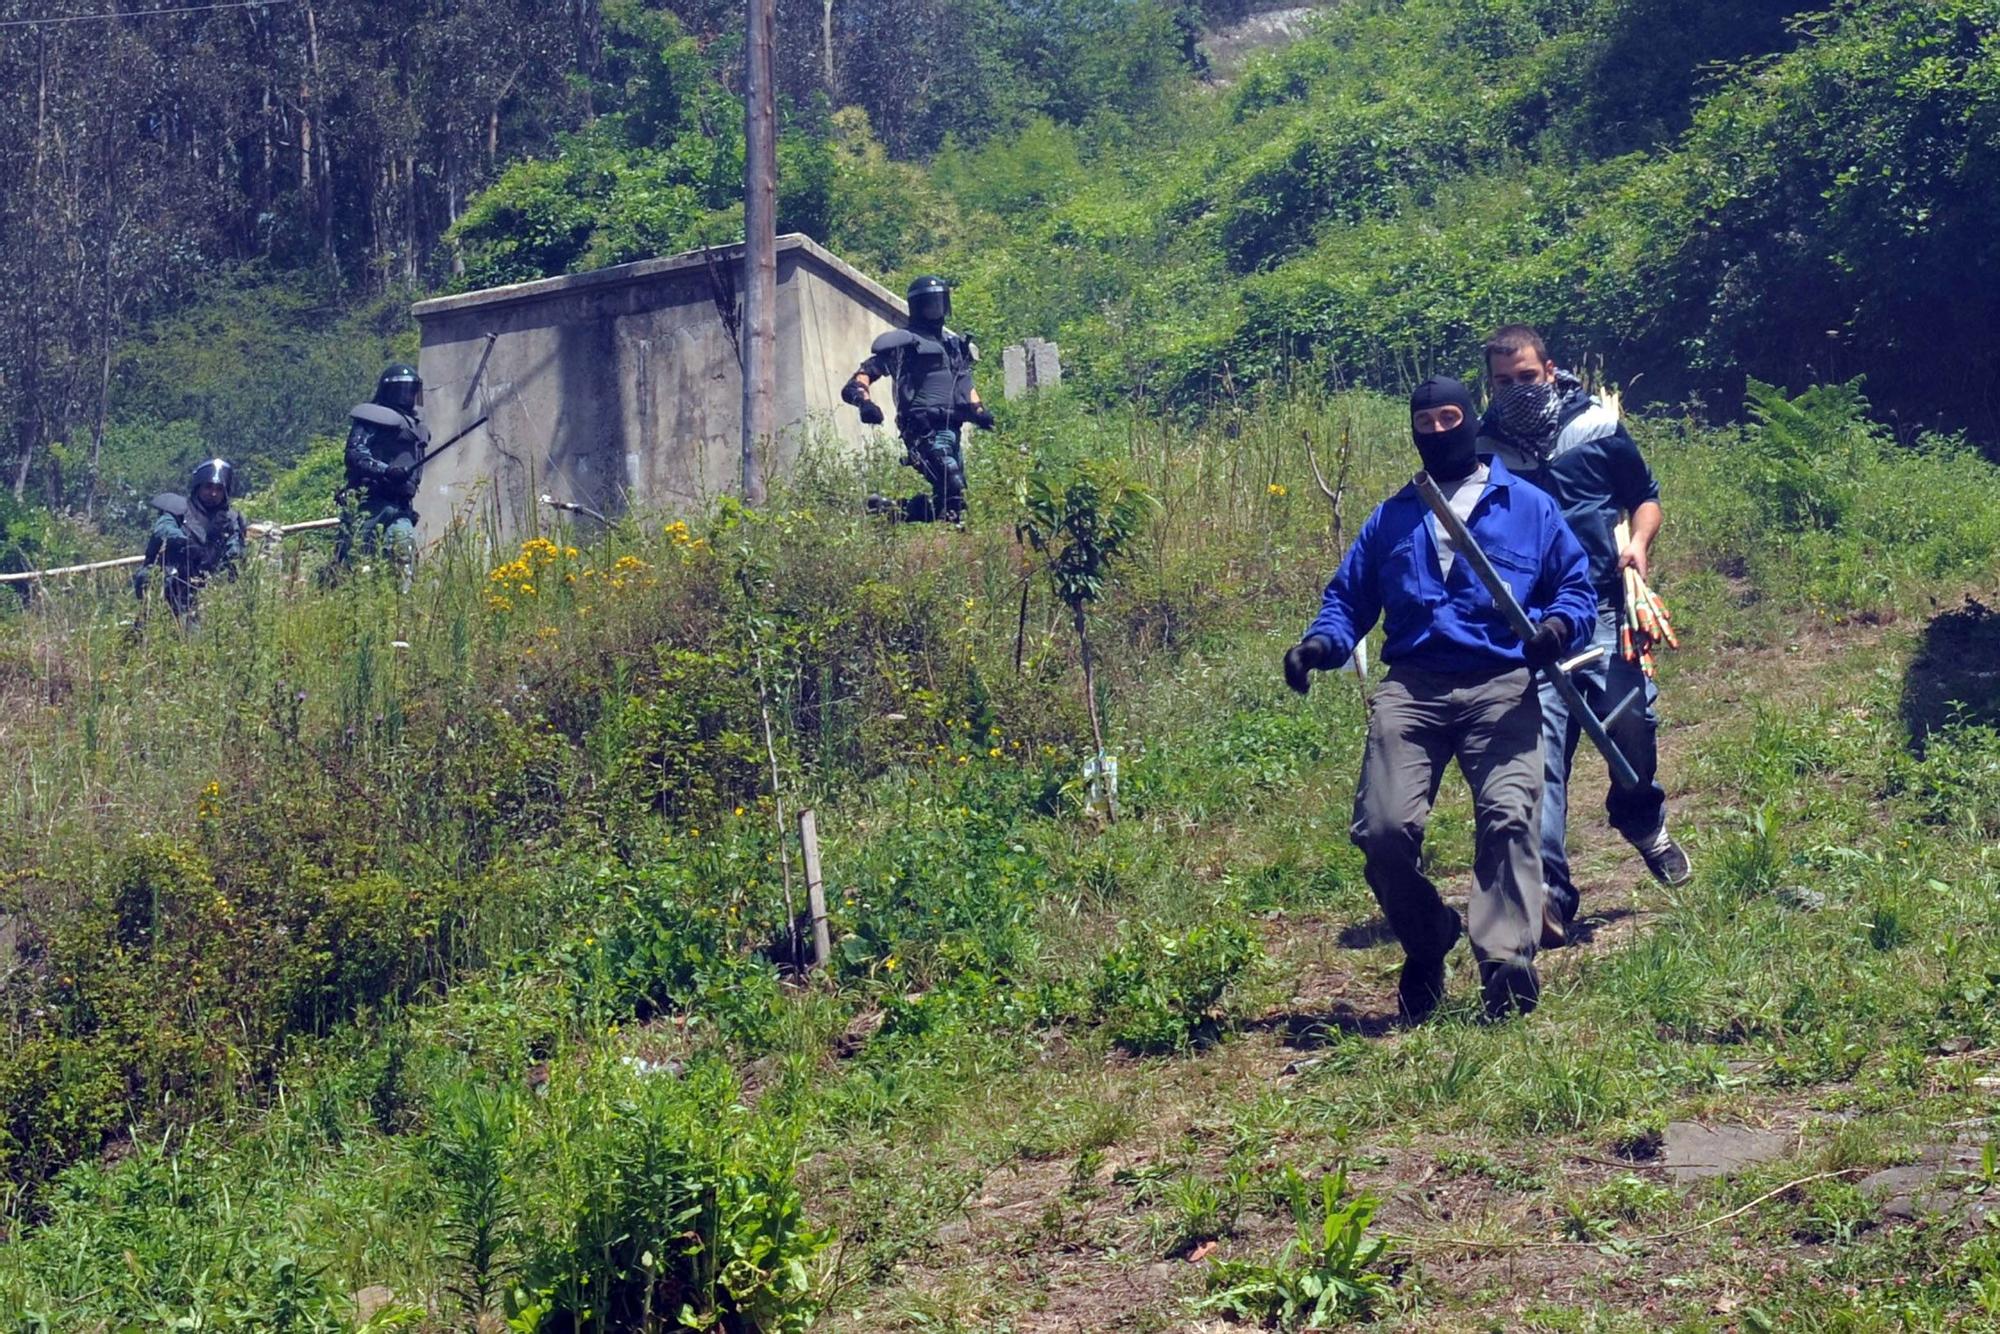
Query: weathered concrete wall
[(622, 386)]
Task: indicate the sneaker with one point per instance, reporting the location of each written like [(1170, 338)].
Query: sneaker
[(1555, 927), (1509, 987), (1665, 858)]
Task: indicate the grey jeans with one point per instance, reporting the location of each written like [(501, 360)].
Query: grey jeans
[(1418, 721)]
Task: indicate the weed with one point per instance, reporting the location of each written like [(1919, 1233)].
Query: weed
[(470, 1139), (1326, 1273), (1197, 1210)]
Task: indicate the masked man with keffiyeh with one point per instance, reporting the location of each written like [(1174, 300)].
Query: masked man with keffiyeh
[(1553, 434)]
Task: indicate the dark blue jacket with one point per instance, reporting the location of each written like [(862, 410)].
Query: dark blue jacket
[(1451, 625), (1593, 469)]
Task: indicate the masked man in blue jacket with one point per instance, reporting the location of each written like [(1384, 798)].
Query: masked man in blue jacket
[(1460, 685)]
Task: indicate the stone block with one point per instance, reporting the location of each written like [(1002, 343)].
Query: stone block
[(1044, 365), (1014, 370)]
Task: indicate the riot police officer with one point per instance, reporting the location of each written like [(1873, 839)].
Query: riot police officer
[(385, 450), (932, 368), (195, 536)]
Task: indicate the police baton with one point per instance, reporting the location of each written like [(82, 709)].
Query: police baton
[(477, 422), (1503, 597)]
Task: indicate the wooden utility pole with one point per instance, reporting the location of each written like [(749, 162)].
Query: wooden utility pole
[(760, 248)]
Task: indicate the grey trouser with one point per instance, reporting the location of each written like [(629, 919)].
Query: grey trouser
[(1417, 722)]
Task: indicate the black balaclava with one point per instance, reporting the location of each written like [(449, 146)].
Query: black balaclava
[(1447, 455)]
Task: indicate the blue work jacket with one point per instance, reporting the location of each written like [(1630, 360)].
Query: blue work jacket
[(1450, 624)]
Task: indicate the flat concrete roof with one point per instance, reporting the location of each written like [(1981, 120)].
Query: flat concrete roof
[(856, 283)]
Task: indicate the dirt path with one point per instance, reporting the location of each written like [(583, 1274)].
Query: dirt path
[(1073, 1243)]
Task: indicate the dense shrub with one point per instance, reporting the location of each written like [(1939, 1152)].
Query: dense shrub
[(650, 1201), (1158, 990)]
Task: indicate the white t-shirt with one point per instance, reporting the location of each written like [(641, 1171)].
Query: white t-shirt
[(1461, 495)]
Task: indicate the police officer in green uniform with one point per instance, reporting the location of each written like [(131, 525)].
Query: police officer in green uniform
[(385, 449), (195, 536), (932, 368)]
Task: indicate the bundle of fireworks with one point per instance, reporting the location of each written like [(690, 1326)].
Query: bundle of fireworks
[(1646, 624)]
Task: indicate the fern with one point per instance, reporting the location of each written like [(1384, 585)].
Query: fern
[(1811, 453)]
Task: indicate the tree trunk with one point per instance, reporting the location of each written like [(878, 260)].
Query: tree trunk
[(493, 120), (1090, 700), (826, 40), (31, 342), (412, 240), (317, 158), (760, 252), (107, 317)]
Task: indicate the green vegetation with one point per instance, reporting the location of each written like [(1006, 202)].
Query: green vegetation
[(1370, 201), (467, 969), (438, 961)]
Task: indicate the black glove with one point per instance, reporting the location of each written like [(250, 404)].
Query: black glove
[(1545, 647), (979, 416), (397, 474), (1309, 655), (853, 392), (871, 412), (140, 578)]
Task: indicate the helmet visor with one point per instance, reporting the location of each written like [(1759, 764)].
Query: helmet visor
[(400, 388)]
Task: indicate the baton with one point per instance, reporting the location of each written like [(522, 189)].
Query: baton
[(1503, 597), (477, 422)]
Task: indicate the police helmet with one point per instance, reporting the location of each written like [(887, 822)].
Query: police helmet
[(930, 300), (215, 472), (400, 388)]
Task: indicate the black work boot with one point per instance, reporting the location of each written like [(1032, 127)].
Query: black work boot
[(1508, 987), (1420, 988)]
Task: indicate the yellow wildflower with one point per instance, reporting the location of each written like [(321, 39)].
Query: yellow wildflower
[(1278, 489)]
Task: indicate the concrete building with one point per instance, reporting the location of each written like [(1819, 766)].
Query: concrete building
[(622, 387)]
